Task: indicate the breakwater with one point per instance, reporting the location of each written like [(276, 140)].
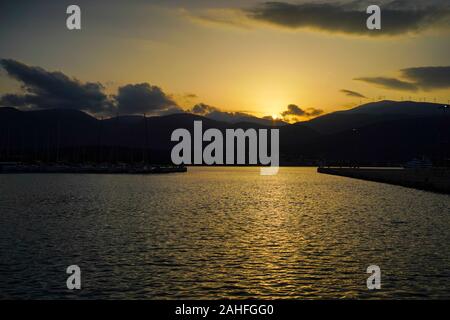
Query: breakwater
[(430, 179)]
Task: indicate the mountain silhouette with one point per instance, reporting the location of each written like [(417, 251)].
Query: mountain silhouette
[(371, 113), (384, 132)]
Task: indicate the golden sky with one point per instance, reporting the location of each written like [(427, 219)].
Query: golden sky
[(221, 55)]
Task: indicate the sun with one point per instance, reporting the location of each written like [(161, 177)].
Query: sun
[(276, 117)]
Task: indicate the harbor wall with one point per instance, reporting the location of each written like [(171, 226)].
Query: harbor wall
[(431, 179)]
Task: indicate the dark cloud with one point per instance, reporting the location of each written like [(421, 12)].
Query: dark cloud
[(43, 89), (428, 77), (294, 113), (203, 109), (231, 117), (14, 100), (398, 16), (353, 94), (312, 112), (293, 110), (216, 114), (413, 79), (144, 98), (390, 83)]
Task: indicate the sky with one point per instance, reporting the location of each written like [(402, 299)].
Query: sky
[(294, 59)]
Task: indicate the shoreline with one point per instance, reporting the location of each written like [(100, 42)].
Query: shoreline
[(89, 169)]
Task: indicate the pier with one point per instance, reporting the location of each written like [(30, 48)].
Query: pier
[(430, 179)]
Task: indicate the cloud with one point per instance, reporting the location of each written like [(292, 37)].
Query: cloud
[(14, 100), (398, 16), (144, 98), (293, 110), (347, 17), (353, 94), (47, 90), (390, 83), (414, 79), (203, 109), (43, 89), (294, 113), (215, 113), (221, 16), (429, 77), (312, 112)]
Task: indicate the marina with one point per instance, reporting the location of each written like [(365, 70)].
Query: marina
[(11, 167)]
